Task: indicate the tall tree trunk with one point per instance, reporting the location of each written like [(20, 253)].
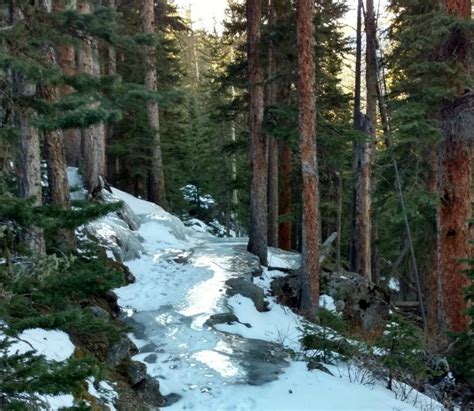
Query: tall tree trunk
[(272, 142), (67, 61), (93, 137), (285, 156), (356, 145), (113, 162), (339, 221), (28, 160), (28, 166), (157, 192), (258, 143), (363, 219), (55, 152), (285, 196), (307, 127), (432, 282), (454, 185)]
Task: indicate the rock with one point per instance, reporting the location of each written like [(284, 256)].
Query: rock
[(114, 234), (136, 372), (360, 302), (118, 266), (222, 318), (175, 226), (285, 289), (112, 300), (98, 312), (171, 399), (246, 265), (340, 305), (316, 365), (365, 304), (150, 359), (127, 215), (254, 266), (182, 258), (121, 350), (149, 392), (247, 289)]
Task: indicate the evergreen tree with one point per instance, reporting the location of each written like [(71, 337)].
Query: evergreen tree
[(309, 167)]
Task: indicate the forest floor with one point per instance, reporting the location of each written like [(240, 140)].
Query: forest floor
[(254, 364)]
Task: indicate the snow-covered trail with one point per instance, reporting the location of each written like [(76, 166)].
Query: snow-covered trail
[(187, 355), (180, 283)]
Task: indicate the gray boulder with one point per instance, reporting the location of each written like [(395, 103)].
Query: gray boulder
[(136, 372), (246, 264), (364, 303), (222, 318), (247, 289), (114, 234), (98, 312), (121, 350), (149, 392)]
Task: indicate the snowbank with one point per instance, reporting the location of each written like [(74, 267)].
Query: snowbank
[(54, 345), (286, 260)]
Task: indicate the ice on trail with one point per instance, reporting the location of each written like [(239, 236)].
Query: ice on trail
[(244, 365)]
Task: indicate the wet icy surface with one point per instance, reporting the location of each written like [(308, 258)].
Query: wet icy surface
[(173, 336)]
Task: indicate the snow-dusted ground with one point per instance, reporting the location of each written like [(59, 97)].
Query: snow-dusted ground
[(180, 282)]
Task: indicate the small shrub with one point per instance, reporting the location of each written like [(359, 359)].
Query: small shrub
[(24, 377), (400, 350), (325, 339)]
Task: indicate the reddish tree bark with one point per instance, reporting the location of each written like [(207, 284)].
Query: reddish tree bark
[(272, 142), (258, 143), (93, 137), (67, 61), (454, 185), (309, 303), (28, 160), (285, 196)]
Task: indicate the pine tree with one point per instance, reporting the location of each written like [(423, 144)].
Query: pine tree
[(258, 143), (271, 95), (307, 105), (157, 180), (28, 161), (454, 178), (93, 136)]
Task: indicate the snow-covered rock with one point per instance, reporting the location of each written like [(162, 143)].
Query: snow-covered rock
[(115, 235), (282, 259)]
